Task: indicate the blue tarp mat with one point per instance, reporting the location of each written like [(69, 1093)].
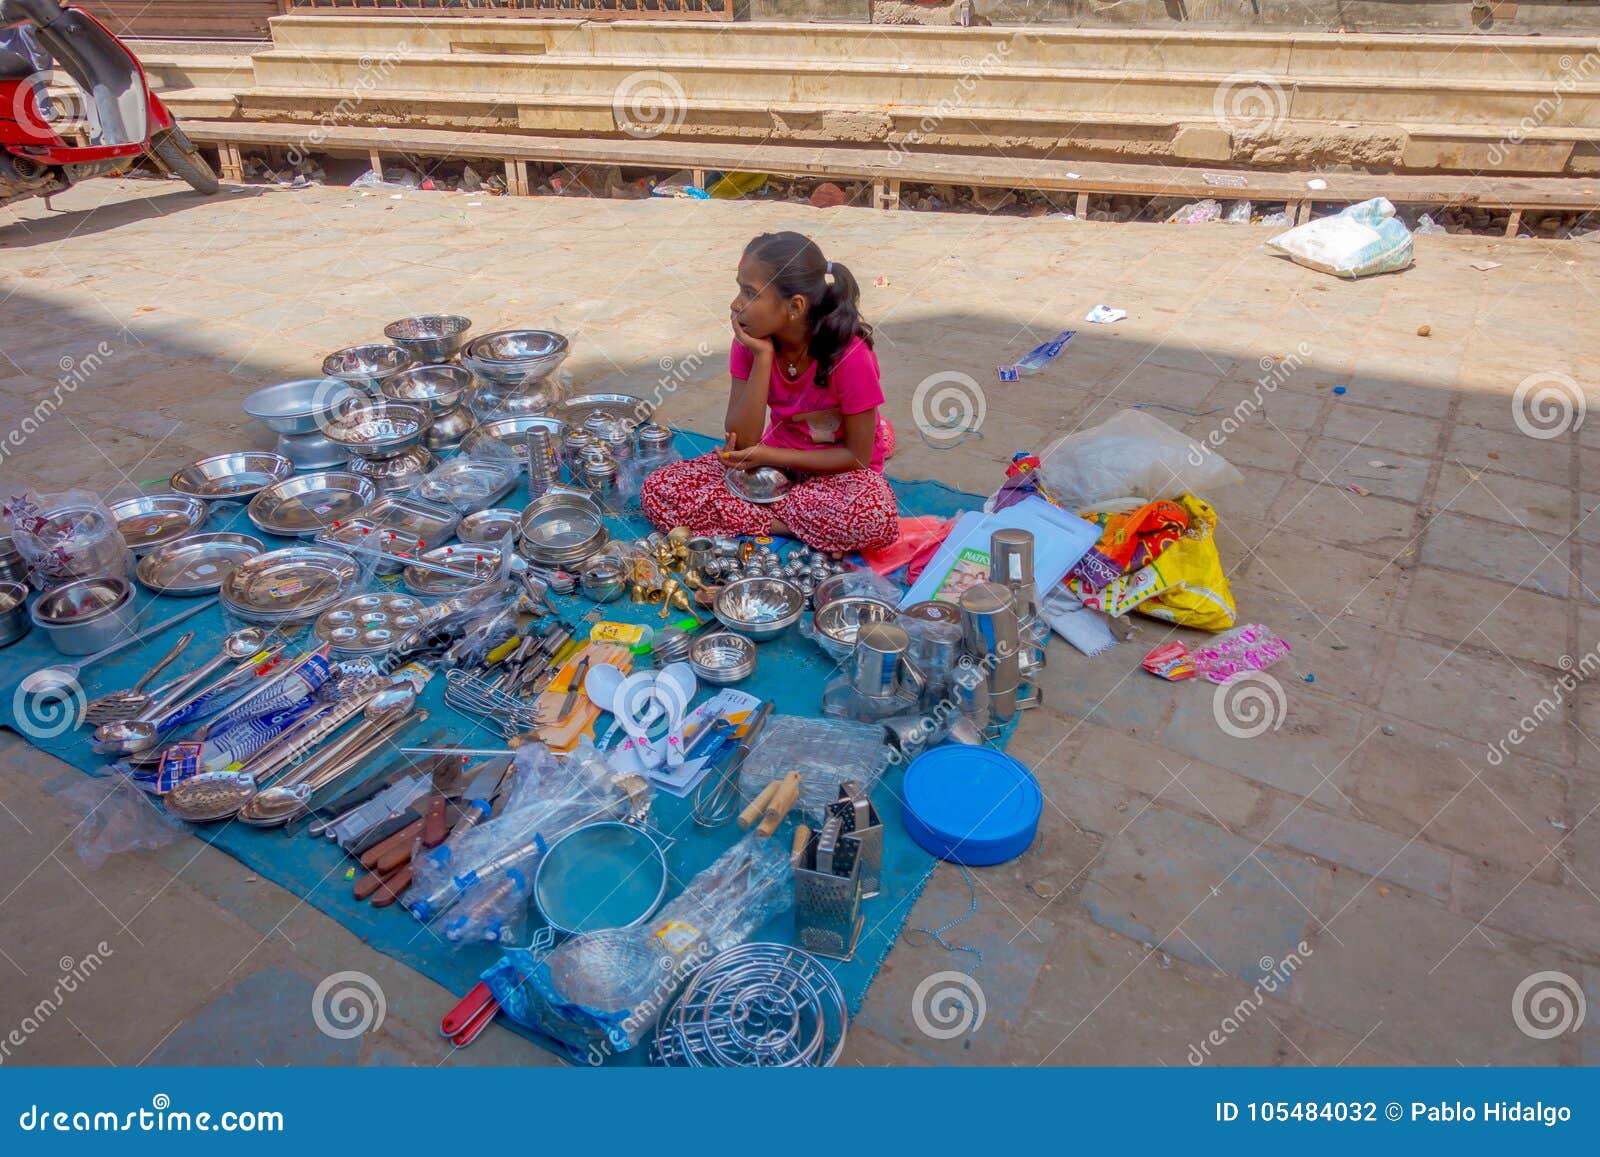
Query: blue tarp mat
[(791, 672)]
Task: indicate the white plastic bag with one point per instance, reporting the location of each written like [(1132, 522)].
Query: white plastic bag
[(1130, 455), (1362, 240)]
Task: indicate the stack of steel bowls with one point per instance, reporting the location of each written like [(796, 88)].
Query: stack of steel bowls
[(722, 657), (88, 615), (443, 390), (513, 367), (14, 620), (561, 530), (670, 645), (432, 337), (385, 436)]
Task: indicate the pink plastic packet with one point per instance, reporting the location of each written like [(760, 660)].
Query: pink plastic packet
[(1252, 647)]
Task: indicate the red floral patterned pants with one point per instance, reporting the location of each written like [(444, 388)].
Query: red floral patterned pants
[(844, 512)]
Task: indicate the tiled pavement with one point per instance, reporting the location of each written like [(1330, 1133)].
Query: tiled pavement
[(1358, 883)]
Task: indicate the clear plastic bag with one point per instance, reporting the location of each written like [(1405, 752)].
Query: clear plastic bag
[(1131, 455), (117, 817), (828, 752), (67, 536), (1196, 212), (1238, 213)]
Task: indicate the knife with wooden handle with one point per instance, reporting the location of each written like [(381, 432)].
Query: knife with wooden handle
[(401, 838)]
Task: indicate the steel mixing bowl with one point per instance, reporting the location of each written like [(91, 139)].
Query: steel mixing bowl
[(513, 356), (838, 621), (760, 608), (14, 620), (429, 337), (301, 406), (366, 365), (379, 427), (438, 387)]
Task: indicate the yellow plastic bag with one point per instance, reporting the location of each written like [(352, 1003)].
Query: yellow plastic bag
[(1193, 590), (1184, 585)]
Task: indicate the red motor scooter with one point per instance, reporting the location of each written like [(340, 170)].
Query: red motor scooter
[(116, 114)]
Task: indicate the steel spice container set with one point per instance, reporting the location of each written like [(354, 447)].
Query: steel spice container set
[(377, 551)]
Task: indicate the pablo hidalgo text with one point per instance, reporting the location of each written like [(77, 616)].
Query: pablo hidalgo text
[(1493, 1112)]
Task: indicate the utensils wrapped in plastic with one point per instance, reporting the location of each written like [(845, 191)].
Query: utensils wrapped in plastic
[(602, 992)]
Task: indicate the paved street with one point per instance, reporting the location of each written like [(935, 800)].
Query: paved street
[(1362, 882)]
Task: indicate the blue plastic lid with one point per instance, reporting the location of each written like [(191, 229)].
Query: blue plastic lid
[(971, 805)]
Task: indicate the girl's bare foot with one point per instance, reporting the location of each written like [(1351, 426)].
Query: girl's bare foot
[(779, 528)]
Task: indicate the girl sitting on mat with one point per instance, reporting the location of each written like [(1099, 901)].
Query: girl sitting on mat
[(802, 352)]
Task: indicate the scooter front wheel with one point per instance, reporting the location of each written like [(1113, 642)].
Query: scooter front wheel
[(176, 153)]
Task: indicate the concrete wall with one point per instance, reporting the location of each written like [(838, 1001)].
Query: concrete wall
[(1501, 16)]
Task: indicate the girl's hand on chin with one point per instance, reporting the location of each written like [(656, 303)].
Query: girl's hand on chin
[(748, 340)]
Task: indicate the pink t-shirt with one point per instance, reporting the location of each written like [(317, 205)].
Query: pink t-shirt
[(806, 417)]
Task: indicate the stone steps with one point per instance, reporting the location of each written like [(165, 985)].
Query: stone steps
[(1281, 54), (1409, 103), (869, 85)]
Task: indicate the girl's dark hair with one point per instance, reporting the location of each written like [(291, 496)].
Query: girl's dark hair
[(832, 296)]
